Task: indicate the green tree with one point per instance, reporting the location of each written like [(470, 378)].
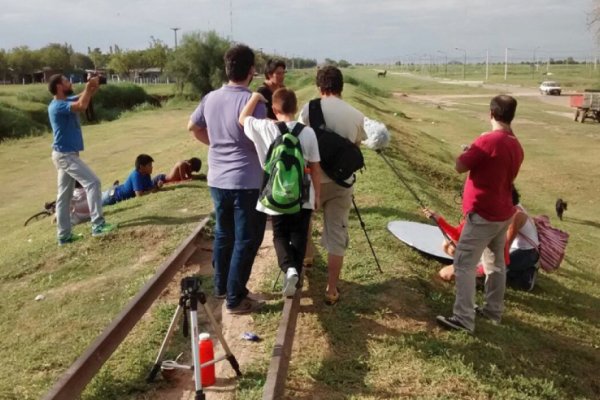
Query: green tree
[(80, 61), (3, 65), (343, 64), (99, 59), (329, 61), (23, 61), (124, 62), (56, 56), (198, 62), (157, 55)]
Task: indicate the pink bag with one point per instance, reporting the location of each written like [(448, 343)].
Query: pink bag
[(553, 243)]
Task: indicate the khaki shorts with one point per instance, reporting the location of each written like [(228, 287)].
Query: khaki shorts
[(335, 203)]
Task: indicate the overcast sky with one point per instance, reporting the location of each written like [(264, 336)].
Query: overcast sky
[(355, 30)]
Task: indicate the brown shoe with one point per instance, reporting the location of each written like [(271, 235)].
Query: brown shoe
[(246, 306)]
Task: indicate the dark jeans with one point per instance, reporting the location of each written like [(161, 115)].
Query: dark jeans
[(521, 269), (239, 232), (290, 233)]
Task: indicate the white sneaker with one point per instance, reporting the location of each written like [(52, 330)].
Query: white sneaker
[(289, 282)]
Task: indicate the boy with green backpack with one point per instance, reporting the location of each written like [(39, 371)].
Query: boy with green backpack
[(289, 154)]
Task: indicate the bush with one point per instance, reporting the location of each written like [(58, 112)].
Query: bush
[(16, 123)]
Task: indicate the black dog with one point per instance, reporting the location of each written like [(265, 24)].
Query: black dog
[(561, 206)]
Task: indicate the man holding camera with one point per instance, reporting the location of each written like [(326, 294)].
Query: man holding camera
[(63, 112)]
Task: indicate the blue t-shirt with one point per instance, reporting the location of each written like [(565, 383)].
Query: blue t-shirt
[(135, 182), (65, 126)]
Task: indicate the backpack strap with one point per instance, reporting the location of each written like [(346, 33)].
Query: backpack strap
[(283, 128), (315, 114)]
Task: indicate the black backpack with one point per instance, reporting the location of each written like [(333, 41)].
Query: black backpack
[(340, 158)]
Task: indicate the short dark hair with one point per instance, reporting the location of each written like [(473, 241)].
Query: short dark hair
[(503, 108), (195, 163), (143, 160), (272, 66), (53, 82), (284, 100), (516, 197), (330, 80), (239, 60)]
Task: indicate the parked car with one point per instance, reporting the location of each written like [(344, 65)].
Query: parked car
[(550, 87)]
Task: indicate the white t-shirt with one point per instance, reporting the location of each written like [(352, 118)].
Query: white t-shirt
[(528, 231), (263, 132), (341, 118)]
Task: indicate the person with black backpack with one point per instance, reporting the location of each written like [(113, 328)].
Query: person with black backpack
[(289, 154), (340, 130)]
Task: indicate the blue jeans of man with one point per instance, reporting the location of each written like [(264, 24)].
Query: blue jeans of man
[(239, 232)]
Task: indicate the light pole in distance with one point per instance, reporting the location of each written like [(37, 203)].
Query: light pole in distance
[(464, 62)]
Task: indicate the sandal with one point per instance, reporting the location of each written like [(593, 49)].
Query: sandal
[(332, 299)]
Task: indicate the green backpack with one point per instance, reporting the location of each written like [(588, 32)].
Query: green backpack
[(282, 189)]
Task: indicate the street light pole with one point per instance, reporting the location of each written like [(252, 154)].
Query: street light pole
[(505, 63), (445, 62), (487, 64), (464, 62), (534, 63), (175, 32)]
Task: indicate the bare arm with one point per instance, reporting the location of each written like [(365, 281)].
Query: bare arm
[(519, 219), (460, 167), (83, 101), (250, 106), (315, 174), (201, 134)]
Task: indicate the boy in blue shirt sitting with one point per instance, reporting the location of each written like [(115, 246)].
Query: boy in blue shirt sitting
[(138, 183)]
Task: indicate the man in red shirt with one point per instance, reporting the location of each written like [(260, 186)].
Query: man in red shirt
[(493, 162)]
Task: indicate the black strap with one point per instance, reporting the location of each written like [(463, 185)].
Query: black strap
[(283, 128), (315, 114)]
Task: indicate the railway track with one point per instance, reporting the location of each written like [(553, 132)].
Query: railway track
[(82, 371)]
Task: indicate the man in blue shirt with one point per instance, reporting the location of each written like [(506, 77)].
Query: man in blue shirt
[(63, 112), (138, 183)]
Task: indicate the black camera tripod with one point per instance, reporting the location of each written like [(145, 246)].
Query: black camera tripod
[(191, 294)]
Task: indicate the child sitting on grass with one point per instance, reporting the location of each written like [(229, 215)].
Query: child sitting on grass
[(290, 231), (138, 183)]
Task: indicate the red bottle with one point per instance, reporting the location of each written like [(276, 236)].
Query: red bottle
[(207, 353)]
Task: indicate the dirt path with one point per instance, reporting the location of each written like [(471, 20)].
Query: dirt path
[(514, 90), (181, 385)]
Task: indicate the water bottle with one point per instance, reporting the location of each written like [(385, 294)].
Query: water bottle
[(207, 353)]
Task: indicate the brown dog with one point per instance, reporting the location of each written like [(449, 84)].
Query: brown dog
[(561, 206)]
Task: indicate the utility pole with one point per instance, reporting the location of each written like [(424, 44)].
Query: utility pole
[(487, 64), (445, 62), (175, 32), (464, 62), (533, 64), (231, 18), (505, 63)]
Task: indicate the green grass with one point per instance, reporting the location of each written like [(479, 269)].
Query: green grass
[(380, 341)]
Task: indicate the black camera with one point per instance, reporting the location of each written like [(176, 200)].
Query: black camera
[(191, 284), (89, 75)]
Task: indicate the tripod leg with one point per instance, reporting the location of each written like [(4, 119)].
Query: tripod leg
[(364, 228), (163, 346), (276, 279), (230, 357)]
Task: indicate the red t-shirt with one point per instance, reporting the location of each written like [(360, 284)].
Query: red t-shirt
[(493, 161)]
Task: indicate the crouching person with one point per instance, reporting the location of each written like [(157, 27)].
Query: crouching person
[(289, 154)]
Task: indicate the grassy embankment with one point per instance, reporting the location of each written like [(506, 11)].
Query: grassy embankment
[(380, 341)]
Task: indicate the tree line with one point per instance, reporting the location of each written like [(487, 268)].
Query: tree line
[(197, 63)]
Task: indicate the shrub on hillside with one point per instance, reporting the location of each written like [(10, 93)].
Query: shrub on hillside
[(17, 123)]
